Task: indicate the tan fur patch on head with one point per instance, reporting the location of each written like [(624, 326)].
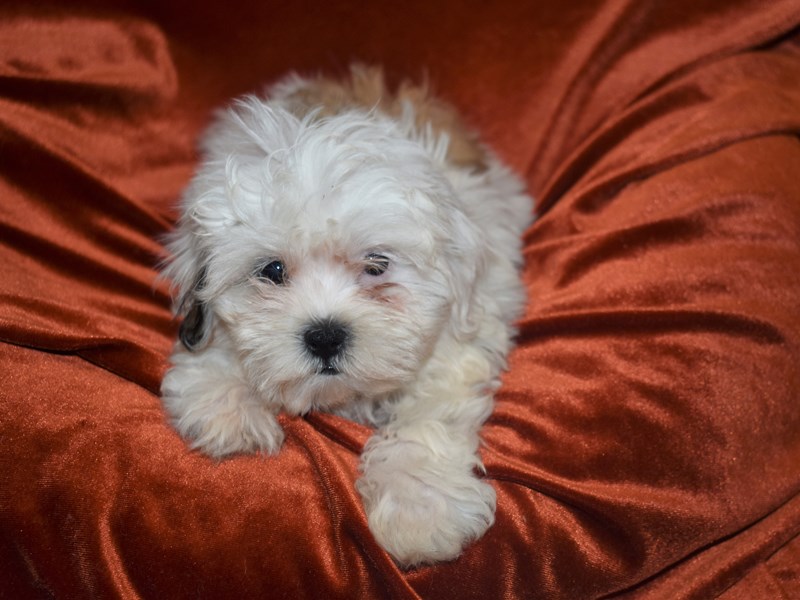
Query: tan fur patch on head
[(366, 88), (387, 293)]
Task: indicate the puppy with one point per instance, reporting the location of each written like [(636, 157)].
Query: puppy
[(350, 249)]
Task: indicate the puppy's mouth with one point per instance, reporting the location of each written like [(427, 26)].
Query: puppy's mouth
[(328, 370), (328, 367)]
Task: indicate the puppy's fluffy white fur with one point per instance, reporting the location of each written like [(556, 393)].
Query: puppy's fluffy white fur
[(316, 182)]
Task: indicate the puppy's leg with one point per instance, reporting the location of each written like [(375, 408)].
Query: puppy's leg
[(423, 498), (213, 408)]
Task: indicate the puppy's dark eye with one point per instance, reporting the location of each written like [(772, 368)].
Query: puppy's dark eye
[(274, 272), (376, 264)]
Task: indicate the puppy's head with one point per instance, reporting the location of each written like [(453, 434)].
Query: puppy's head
[(330, 251)]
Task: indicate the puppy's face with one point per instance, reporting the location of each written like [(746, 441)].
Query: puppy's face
[(331, 252)]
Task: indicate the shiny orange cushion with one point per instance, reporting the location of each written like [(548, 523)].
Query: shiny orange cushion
[(646, 441)]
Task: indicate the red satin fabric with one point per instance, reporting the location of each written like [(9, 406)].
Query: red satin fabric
[(646, 442)]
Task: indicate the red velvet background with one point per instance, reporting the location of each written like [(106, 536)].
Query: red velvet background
[(646, 442)]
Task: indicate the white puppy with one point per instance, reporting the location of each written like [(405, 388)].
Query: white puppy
[(349, 249)]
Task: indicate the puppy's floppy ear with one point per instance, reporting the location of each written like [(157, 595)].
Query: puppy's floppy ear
[(186, 268), (195, 327), (466, 264)]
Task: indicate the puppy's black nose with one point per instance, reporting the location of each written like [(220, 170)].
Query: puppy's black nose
[(326, 340)]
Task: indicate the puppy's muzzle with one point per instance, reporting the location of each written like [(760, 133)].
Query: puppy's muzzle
[(326, 341)]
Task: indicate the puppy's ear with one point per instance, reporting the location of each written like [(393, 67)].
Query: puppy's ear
[(195, 327), (466, 264), (185, 268)]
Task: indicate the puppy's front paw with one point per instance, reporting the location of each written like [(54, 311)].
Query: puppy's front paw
[(421, 512), (240, 430), (220, 417)]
